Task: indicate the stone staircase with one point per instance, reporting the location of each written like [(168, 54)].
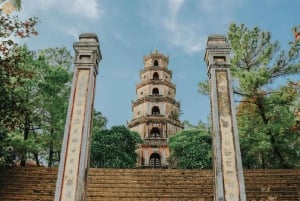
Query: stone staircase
[(38, 184), (27, 184), (269, 185), (150, 184)]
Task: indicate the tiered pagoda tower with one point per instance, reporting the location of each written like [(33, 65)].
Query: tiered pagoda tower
[(155, 111)]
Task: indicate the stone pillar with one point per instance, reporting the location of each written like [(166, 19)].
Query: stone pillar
[(228, 170), (74, 161)]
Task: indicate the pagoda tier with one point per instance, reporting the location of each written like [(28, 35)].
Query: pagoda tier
[(155, 111)]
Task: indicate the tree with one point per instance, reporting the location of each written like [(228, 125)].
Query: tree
[(34, 89), (275, 143), (99, 122), (41, 96), (3, 146), (257, 63), (267, 102), (114, 148), (25, 87), (191, 148), (10, 26), (55, 92)]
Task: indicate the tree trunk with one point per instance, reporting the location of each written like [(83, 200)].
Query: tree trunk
[(36, 157), (26, 135), (50, 159), (274, 147), (262, 111), (263, 166), (277, 153)]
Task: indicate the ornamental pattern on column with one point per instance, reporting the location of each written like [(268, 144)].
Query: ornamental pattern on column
[(73, 167), (229, 180)]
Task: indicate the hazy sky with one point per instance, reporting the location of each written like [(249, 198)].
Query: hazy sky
[(130, 29)]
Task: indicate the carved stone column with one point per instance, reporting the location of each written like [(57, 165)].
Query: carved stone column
[(228, 170), (74, 162)]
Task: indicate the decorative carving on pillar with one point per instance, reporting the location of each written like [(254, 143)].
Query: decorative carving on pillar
[(229, 179), (72, 174)]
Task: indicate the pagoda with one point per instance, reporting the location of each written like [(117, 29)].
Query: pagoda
[(155, 111)]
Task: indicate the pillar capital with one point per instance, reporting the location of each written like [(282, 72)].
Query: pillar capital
[(217, 51), (87, 51)]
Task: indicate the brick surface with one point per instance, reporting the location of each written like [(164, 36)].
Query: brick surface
[(38, 184)]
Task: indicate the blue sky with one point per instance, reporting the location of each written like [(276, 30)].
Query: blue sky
[(130, 29)]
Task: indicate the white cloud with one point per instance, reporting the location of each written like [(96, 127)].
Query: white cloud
[(186, 27), (90, 9), (183, 36), (174, 7), (86, 8), (71, 17), (121, 39), (73, 31)]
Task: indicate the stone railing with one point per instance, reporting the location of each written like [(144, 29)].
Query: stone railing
[(157, 82), (155, 141), (156, 98)]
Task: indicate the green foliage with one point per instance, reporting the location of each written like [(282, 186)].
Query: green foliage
[(268, 128), (3, 145), (257, 61), (21, 87), (11, 26), (34, 88), (10, 74), (174, 114), (99, 122), (265, 113), (274, 143), (192, 148), (55, 91), (18, 4), (36, 98), (114, 148), (203, 87), (23, 147)]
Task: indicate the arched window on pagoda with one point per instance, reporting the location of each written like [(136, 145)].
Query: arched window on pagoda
[(155, 110), (155, 91), (155, 133), (155, 63), (155, 76), (154, 160)]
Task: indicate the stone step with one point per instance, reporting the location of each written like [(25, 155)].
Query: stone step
[(152, 180), (148, 199), (150, 190), (148, 195), (150, 172), (38, 184)]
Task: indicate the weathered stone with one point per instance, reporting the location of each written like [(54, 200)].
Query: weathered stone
[(229, 180), (72, 175)]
